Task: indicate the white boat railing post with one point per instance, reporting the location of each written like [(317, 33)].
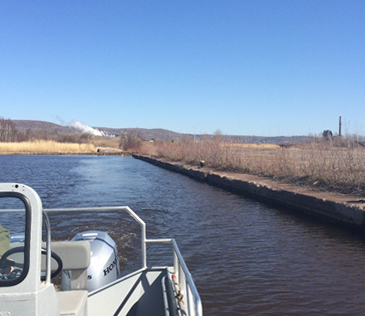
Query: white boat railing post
[(143, 235), (48, 247), (187, 286), (144, 247), (176, 264)]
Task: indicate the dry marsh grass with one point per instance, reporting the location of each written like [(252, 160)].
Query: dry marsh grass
[(45, 147), (252, 146), (316, 164), (104, 141)]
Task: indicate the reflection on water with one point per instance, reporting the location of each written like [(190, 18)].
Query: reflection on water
[(245, 257)]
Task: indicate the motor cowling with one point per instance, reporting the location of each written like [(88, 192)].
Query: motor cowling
[(104, 261)]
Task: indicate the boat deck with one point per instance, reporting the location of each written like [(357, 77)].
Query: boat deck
[(142, 293)]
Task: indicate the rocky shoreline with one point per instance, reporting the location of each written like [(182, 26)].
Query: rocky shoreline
[(345, 211)]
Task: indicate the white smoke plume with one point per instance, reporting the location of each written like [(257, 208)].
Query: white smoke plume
[(85, 128)]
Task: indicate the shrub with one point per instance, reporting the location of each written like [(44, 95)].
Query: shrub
[(130, 141)]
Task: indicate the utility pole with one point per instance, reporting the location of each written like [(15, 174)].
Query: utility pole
[(339, 128)]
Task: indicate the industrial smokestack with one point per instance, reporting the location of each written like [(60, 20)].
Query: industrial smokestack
[(339, 128)]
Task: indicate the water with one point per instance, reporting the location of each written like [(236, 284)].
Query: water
[(246, 258)]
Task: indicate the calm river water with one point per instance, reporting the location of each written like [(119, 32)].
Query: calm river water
[(246, 258)]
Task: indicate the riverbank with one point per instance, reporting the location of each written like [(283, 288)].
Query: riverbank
[(342, 210)]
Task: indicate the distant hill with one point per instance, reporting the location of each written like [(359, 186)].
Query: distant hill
[(25, 126), (35, 126), (144, 133), (147, 134)]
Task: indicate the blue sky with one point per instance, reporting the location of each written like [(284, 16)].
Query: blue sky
[(246, 67)]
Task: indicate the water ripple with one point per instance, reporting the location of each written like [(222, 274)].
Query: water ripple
[(245, 257)]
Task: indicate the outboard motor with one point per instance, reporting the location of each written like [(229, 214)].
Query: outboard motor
[(104, 262)]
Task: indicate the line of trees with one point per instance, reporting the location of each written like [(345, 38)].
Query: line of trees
[(9, 133)]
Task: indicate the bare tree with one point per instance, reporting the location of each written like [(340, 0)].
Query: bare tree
[(8, 132), (130, 141)]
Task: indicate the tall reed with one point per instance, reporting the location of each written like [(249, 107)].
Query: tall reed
[(46, 147), (320, 164)]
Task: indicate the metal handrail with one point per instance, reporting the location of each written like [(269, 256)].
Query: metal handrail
[(111, 209), (187, 281), (184, 278), (180, 269)]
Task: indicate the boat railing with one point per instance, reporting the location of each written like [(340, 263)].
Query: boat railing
[(189, 299), (187, 294)]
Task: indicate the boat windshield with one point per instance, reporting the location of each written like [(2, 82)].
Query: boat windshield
[(14, 250)]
